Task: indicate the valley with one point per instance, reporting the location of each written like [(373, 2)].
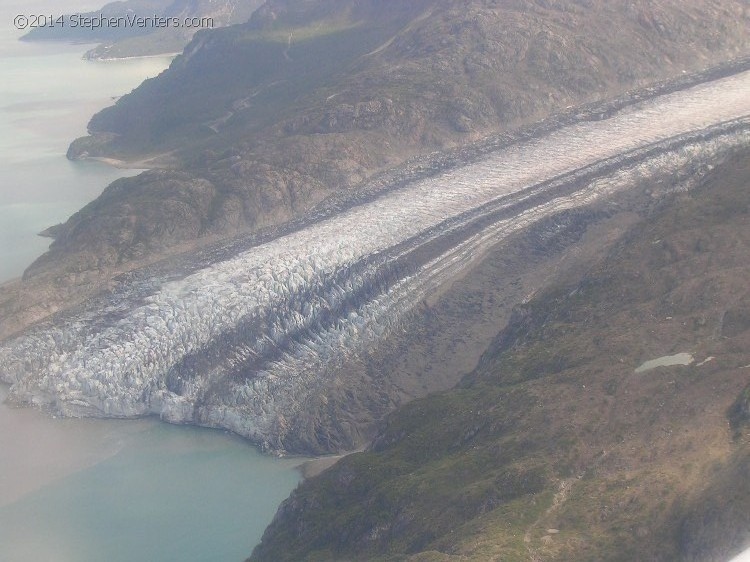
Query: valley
[(486, 258), (257, 342)]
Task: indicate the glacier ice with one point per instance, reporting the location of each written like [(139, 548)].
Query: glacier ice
[(241, 342)]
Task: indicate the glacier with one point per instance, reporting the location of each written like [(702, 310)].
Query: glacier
[(243, 343)]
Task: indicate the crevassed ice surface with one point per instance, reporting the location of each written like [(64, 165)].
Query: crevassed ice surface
[(238, 344), (744, 557)]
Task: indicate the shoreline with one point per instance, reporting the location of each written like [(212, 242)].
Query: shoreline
[(425, 165), (143, 164), (441, 162), (317, 465), (133, 57), (94, 45), (9, 282), (114, 162)]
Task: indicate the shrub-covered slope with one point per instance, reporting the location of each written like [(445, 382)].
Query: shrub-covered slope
[(555, 448)]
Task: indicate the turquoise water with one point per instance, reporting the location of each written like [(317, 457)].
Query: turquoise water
[(96, 490), (48, 95)]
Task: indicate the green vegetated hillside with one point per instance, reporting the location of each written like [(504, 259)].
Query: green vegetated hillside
[(554, 448)]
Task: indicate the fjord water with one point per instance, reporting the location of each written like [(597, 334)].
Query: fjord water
[(92, 490), (48, 95)]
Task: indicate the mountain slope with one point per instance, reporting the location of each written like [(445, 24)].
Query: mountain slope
[(256, 124), (429, 69), (557, 447), (311, 98)]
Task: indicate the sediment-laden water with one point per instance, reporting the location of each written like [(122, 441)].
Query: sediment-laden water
[(93, 490)]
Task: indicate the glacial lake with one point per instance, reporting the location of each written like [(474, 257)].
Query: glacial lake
[(93, 490)]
